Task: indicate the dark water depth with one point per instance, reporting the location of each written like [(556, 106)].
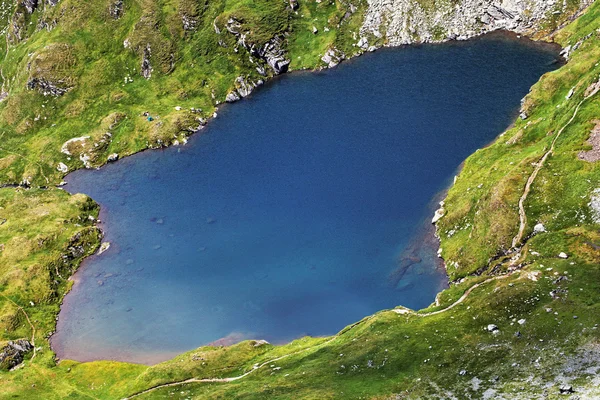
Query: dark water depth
[(293, 210)]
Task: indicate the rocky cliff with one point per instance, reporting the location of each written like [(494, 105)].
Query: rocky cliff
[(409, 21)]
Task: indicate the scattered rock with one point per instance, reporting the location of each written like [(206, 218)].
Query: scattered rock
[(314, 30), (492, 328), (47, 88), (563, 255), (521, 321), (592, 155)]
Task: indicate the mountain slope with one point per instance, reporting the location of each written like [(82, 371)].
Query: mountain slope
[(77, 80)]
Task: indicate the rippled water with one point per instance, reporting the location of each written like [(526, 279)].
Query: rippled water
[(298, 210)]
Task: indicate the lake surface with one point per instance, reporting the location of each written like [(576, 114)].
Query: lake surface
[(298, 210)]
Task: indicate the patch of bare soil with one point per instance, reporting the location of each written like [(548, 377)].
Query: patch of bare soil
[(592, 155)]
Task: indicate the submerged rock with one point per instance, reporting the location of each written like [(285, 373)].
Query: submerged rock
[(103, 247)]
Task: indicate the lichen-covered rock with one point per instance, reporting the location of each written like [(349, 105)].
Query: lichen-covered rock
[(13, 353), (46, 87), (146, 67), (333, 57), (408, 21), (30, 5), (271, 52), (116, 9)]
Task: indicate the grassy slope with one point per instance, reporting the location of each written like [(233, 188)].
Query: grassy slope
[(410, 355), (85, 52)]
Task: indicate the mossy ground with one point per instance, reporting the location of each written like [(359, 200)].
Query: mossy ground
[(45, 233)]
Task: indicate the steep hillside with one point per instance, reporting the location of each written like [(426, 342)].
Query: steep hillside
[(84, 83)]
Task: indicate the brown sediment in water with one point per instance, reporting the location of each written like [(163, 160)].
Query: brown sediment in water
[(422, 247)]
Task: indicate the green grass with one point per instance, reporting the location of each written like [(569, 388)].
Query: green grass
[(45, 233)]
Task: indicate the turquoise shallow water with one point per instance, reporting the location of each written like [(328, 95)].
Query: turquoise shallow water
[(293, 211)]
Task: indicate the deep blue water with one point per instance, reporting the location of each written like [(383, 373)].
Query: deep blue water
[(291, 211)]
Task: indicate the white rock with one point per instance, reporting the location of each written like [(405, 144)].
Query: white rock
[(439, 213), (570, 94), (563, 255), (594, 205), (363, 43), (492, 328), (521, 321), (539, 228), (103, 247), (62, 167), (112, 157)]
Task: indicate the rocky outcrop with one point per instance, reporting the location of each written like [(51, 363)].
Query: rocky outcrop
[(13, 353), (407, 21), (243, 88), (46, 87), (30, 5), (51, 70), (146, 70), (271, 52), (20, 19), (333, 57), (189, 23), (594, 205), (116, 9)]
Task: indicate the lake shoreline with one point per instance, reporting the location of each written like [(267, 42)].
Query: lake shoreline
[(103, 209)]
